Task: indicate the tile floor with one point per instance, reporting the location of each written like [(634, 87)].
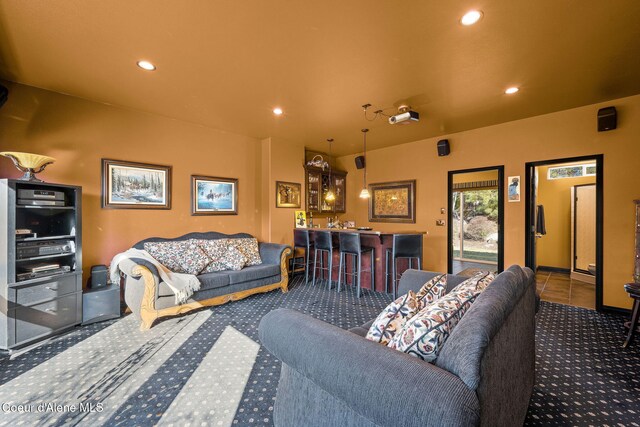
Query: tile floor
[(559, 288)]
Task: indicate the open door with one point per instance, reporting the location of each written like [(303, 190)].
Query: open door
[(475, 220), (592, 223)]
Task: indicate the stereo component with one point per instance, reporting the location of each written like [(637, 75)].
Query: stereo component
[(360, 162), (46, 272), (41, 194), (27, 202), (36, 249)]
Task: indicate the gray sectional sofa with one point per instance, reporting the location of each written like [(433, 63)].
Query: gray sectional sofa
[(484, 374), (149, 298)]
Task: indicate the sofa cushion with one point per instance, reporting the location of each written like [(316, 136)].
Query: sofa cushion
[(432, 290), (249, 248), (393, 318), (180, 256), (213, 280), (424, 334), (253, 273), (215, 250), (234, 259)]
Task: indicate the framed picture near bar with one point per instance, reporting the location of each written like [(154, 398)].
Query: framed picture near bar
[(131, 185), (214, 196), (393, 202), (288, 194)]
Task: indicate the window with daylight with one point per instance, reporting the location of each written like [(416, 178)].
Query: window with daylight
[(572, 171)]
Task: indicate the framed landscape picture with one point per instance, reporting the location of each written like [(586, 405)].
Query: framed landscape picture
[(288, 194), (214, 196), (130, 185), (393, 202)]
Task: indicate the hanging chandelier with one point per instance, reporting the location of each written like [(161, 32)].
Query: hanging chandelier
[(330, 196), (364, 194)]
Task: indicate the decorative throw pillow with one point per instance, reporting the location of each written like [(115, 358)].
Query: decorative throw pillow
[(249, 248), (192, 258), (234, 259), (184, 256), (393, 318), (424, 334), (166, 253), (216, 251), (432, 290)]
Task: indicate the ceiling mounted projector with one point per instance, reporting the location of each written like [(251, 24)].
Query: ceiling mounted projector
[(404, 116)]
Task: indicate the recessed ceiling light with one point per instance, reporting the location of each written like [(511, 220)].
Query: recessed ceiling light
[(471, 17), (511, 90), (278, 111), (146, 65)]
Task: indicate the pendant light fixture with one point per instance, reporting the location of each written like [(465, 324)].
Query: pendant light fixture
[(330, 196), (364, 194)]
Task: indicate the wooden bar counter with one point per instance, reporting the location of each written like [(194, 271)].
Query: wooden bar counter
[(379, 241)]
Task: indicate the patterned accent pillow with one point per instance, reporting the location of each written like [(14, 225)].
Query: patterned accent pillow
[(432, 290), (216, 251), (249, 248), (234, 259), (183, 256), (192, 258), (424, 334), (393, 317), (166, 253)]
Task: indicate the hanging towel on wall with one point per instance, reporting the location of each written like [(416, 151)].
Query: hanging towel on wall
[(540, 227)]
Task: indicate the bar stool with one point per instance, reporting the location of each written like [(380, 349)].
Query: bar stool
[(350, 245), (633, 289), (302, 240), (405, 246), (323, 243)]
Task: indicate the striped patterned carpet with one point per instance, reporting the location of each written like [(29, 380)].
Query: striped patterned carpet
[(208, 368)]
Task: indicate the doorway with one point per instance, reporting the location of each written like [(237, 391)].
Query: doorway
[(563, 239), (475, 220)]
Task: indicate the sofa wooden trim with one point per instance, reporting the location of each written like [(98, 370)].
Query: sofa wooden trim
[(150, 314)]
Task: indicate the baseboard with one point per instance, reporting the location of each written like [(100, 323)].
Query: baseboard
[(554, 269), (615, 310)]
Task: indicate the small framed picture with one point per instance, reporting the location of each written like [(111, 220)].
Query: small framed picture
[(514, 189), (301, 219), (213, 195), (288, 194), (131, 185)]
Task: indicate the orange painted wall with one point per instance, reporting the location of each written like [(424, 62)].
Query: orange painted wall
[(79, 133), (282, 161), (558, 135), (554, 248)]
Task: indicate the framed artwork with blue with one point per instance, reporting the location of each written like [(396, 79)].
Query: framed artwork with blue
[(132, 185), (213, 195)]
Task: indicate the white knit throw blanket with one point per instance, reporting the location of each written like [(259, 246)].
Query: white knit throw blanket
[(183, 285)]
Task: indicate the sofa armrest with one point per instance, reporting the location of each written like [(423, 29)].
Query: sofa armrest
[(383, 385), (271, 253), (131, 267), (142, 299)]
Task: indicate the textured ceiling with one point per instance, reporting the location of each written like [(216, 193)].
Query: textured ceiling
[(226, 64)]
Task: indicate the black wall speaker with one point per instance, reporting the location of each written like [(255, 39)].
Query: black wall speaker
[(4, 93), (443, 147), (360, 162), (99, 276), (607, 119)]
